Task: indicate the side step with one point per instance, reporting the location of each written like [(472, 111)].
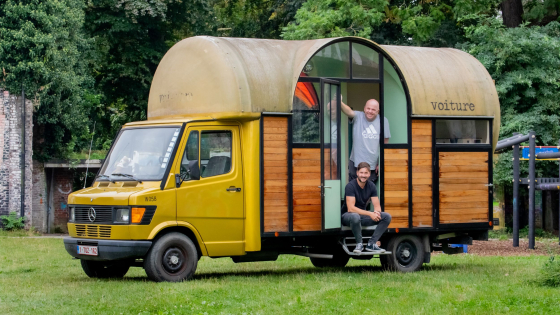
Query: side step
[(364, 253)]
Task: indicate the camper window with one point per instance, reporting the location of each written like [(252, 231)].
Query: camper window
[(332, 61), (365, 62), (462, 131)]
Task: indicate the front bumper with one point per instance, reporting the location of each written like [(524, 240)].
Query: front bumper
[(108, 249)]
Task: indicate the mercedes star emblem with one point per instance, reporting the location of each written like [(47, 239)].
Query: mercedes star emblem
[(91, 214)]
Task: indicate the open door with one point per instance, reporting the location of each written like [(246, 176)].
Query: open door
[(330, 154)]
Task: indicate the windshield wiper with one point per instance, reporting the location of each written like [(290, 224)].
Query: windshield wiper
[(127, 175), (103, 175)]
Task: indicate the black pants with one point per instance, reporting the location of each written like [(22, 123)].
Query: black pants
[(352, 173), (356, 221)]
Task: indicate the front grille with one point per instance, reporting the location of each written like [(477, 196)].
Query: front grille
[(101, 231), (103, 214)]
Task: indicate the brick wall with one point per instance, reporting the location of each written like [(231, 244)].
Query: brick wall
[(39, 197), (11, 123)]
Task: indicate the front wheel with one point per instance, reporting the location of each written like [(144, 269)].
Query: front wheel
[(98, 269), (172, 258), (407, 254)]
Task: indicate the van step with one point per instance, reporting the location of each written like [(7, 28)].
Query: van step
[(364, 253)]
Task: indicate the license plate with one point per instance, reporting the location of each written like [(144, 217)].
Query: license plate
[(87, 250)]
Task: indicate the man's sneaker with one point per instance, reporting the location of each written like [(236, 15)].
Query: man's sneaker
[(374, 248), (359, 248)]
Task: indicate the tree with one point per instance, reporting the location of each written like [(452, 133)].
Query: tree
[(43, 49), (512, 12), (431, 23), (254, 18), (524, 62)]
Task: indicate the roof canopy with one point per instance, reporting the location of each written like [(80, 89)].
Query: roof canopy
[(202, 75)]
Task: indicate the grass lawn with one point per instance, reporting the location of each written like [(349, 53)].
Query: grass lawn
[(37, 276)]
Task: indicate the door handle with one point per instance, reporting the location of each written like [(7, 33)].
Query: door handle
[(324, 186), (234, 189), (489, 185)]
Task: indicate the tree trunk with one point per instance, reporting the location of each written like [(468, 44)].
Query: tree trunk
[(512, 10)]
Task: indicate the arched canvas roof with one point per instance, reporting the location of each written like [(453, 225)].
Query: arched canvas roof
[(209, 75)]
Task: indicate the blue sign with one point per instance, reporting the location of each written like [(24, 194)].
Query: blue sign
[(525, 151)]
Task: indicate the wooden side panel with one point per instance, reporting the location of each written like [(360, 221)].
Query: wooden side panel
[(463, 198), (306, 167), (275, 172), (396, 186), (422, 199)]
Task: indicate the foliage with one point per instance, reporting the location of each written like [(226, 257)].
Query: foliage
[(254, 18), (12, 222), (550, 273), (524, 62), (427, 23), (43, 49)]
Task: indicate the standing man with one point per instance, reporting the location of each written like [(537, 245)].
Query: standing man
[(357, 195), (366, 132)]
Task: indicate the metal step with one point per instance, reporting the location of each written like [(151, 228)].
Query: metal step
[(364, 253)]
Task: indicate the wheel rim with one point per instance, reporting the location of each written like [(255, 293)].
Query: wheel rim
[(174, 259), (406, 253)]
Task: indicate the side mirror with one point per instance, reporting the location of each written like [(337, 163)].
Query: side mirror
[(194, 170)]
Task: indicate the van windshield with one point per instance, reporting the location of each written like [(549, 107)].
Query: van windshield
[(141, 154)]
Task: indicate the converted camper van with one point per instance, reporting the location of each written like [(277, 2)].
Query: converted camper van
[(245, 155)]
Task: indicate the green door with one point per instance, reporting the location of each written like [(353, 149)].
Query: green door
[(330, 154)]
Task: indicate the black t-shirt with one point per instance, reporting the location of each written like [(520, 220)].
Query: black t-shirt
[(362, 195)]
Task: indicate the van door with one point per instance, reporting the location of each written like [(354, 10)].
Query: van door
[(463, 193), (213, 204), (330, 154)]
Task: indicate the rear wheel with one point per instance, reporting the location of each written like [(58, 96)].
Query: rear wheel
[(407, 254), (172, 258), (99, 269)]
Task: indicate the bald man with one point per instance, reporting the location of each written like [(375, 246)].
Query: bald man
[(366, 132)]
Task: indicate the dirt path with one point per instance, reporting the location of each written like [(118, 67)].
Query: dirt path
[(505, 248)]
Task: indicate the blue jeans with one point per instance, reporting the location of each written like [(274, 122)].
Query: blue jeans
[(356, 221)]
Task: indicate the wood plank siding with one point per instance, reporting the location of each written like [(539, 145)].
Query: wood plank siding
[(396, 186), (463, 196), (307, 194), (422, 199), (275, 172)]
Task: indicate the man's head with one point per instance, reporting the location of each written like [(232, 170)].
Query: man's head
[(363, 172), (371, 109)]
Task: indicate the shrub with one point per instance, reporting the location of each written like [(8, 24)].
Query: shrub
[(550, 273), (11, 222)]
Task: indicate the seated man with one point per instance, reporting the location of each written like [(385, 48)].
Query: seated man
[(357, 194)]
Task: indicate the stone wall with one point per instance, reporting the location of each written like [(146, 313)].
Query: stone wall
[(11, 122), (39, 197)]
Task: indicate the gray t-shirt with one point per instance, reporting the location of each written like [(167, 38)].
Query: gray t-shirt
[(365, 135)]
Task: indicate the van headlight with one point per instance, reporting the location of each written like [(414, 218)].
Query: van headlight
[(122, 215), (72, 214)]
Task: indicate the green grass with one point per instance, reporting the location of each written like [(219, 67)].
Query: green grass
[(38, 276), (19, 233)]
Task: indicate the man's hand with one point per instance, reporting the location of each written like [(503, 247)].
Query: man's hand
[(375, 216)]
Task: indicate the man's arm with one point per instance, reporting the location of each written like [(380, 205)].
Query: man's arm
[(386, 140), (346, 109), (351, 205)]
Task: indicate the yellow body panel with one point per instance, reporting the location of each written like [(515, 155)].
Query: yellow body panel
[(224, 223)]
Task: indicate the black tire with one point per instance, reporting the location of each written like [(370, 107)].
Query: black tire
[(172, 258), (339, 260), (100, 269), (407, 254)]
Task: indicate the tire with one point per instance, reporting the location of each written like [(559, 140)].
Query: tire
[(339, 260), (407, 254), (99, 269), (172, 258)]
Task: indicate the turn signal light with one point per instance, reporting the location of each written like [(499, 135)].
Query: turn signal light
[(137, 214)]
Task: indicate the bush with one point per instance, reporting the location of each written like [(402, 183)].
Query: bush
[(550, 273), (11, 222)]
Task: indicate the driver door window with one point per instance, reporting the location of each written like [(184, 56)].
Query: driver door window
[(190, 156)]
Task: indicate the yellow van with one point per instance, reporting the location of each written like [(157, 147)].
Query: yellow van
[(245, 155)]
